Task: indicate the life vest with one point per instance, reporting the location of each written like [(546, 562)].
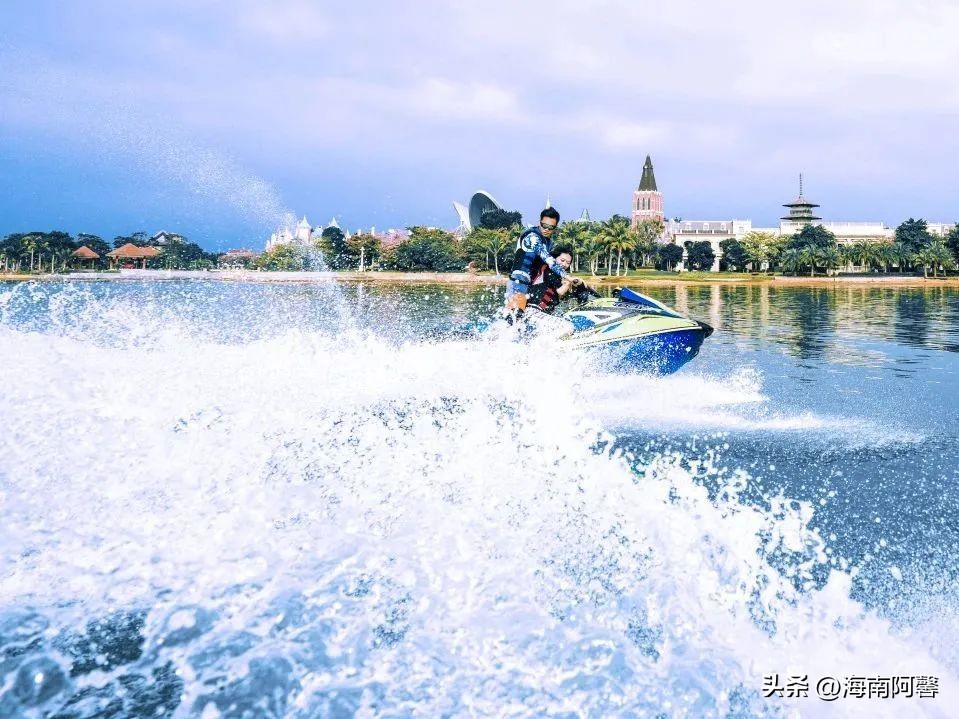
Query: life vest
[(543, 291), (526, 262)]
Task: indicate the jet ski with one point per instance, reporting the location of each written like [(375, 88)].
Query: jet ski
[(629, 332)]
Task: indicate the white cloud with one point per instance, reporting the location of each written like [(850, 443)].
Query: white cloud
[(751, 51), (631, 135), (283, 21), (442, 98), (766, 88)]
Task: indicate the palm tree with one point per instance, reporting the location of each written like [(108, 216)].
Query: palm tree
[(936, 255), (574, 235), (808, 257), (591, 248), (615, 235), (925, 257), (492, 242), (625, 242), (830, 258), (29, 244), (945, 257), (883, 255), (790, 260), (63, 246), (847, 253), (901, 255), (862, 253)]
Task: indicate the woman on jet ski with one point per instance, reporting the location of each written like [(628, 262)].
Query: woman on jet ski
[(549, 287)]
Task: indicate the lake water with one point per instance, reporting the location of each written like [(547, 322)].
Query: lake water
[(313, 500)]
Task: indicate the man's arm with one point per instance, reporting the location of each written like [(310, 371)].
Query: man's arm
[(550, 261)]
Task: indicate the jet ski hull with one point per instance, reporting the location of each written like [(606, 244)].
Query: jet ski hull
[(658, 354), (634, 333)]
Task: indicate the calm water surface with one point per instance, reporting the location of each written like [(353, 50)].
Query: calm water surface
[(240, 499)]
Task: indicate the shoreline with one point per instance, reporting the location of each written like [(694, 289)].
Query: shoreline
[(467, 278)]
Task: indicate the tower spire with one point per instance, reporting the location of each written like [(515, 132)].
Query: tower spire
[(648, 181)]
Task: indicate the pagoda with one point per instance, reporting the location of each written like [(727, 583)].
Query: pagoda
[(801, 209)]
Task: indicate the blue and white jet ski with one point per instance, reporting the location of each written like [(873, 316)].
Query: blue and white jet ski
[(629, 332)]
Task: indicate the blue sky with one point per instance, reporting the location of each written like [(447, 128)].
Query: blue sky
[(215, 118)]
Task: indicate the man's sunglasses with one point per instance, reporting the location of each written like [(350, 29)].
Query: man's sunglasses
[(547, 227)]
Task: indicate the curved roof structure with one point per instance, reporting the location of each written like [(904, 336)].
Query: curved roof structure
[(463, 214), (481, 203)]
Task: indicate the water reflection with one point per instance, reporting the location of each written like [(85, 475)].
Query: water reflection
[(822, 323), (844, 324), (911, 324), (816, 325)]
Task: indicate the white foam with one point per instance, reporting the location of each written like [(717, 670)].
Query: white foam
[(417, 522)]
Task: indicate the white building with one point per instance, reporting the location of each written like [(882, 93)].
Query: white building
[(299, 235), (801, 213), (302, 234), (713, 231), (848, 233)]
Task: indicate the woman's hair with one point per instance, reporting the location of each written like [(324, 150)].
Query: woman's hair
[(561, 250)]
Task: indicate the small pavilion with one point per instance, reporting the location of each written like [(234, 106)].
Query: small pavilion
[(132, 253), (85, 254)]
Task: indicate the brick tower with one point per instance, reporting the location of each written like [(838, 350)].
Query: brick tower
[(647, 200)]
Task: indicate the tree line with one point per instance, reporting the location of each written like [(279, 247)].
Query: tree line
[(38, 252), (814, 248), (608, 247), (612, 247)]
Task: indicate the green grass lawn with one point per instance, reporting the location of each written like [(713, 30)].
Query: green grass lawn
[(676, 276)]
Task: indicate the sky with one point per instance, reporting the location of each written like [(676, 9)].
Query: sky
[(218, 119)]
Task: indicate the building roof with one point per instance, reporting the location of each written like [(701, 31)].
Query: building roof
[(800, 210), (800, 202), (131, 251), (85, 253), (481, 203), (163, 237), (648, 181), (303, 223)]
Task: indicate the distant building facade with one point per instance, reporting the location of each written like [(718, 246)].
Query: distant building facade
[(165, 238), (648, 204), (301, 234)]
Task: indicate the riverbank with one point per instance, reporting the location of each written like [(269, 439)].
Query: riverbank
[(470, 278)]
